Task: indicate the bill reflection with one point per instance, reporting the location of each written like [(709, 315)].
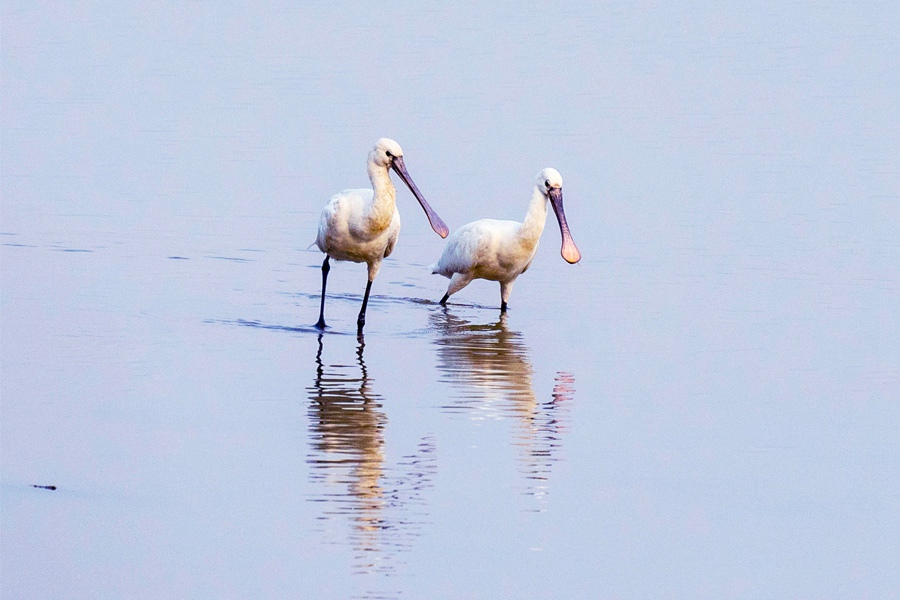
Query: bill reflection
[(489, 368)]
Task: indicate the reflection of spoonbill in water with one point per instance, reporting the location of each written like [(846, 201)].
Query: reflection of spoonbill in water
[(503, 250), (347, 433), (382, 500), (363, 225), (489, 368)]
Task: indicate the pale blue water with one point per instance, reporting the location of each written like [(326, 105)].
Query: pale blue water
[(705, 406)]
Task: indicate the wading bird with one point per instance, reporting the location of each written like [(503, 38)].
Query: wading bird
[(503, 250), (363, 225)]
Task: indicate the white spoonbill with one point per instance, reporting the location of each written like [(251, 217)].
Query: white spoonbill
[(503, 250), (363, 225)]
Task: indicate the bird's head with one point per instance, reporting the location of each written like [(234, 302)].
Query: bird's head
[(385, 152), (549, 181)]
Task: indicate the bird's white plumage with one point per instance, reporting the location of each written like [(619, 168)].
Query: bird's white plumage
[(362, 225), (502, 250), (347, 230), (487, 249)]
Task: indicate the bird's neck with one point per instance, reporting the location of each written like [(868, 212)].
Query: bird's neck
[(384, 195), (533, 225)]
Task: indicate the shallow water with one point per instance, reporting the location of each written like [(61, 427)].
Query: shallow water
[(705, 406)]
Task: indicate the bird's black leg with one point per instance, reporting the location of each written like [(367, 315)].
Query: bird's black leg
[(505, 289), (443, 301), (361, 320), (325, 268)]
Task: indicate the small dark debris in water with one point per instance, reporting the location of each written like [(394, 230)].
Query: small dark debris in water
[(178, 258), (44, 487)]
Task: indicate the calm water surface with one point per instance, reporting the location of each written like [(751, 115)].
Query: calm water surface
[(706, 406)]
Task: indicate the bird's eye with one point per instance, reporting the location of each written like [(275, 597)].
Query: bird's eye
[(389, 155), (547, 183)]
